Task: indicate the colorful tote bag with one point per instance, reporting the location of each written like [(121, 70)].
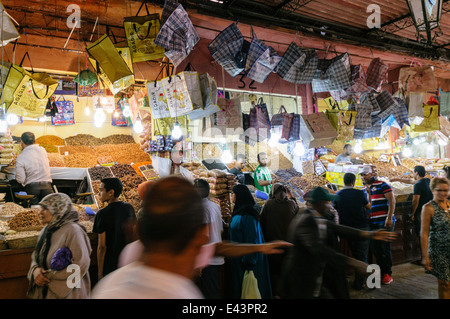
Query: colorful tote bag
[(208, 87), (157, 100), (141, 32), (108, 58), (177, 95), (417, 79)]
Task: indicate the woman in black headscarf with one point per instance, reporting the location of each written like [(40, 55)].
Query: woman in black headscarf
[(276, 216), (245, 228)]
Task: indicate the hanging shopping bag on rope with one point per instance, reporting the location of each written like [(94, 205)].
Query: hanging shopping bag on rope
[(193, 84), (417, 78), (358, 88), (282, 121), (444, 126), (373, 131), (332, 112), (230, 49), (333, 74), (261, 60), (346, 125), (259, 121), (387, 104), (444, 103), (177, 95), (401, 113), (8, 31), (208, 87), (157, 98), (415, 103), (109, 60), (229, 118), (370, 99), (376, 73), (141, 32), (316, 130), (123, 83), (363, 118), (178, 36), (31, 95), (298, 65), (168, 8), (430, 121), (286, 128)]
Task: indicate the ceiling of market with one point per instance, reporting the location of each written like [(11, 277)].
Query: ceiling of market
[(330, 27)]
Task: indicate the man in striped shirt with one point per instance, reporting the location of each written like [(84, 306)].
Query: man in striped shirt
[(262, 176), (381, 216)]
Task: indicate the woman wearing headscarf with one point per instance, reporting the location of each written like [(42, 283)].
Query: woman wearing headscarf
[(60, 263), (245, 228), (276, 216)]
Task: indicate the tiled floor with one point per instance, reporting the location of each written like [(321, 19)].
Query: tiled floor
[(410, 282)]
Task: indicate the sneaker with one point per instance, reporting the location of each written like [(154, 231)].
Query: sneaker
[(387, 279)]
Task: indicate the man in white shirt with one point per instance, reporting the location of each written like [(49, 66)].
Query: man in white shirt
[(33, 169), (209, 278)]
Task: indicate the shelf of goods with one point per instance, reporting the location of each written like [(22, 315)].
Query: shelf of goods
[(20, 227), (221, 184)]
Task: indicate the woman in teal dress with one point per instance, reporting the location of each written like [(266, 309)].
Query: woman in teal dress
[(245, 228), (435, 236)]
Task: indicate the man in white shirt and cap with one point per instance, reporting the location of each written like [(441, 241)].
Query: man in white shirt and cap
[(33, 168)]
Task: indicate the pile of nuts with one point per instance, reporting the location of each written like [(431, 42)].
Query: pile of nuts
[(308, 182), (56, 160), (25, 221), (82, 160), (72, 149), (10, 208), (83, 139), (118, 139)]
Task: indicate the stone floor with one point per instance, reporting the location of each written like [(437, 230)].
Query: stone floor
[(410, 282)]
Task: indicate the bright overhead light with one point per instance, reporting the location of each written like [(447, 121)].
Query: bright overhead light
[(3, 126), (12, 119), (99, 117), (407, 152), (358, 148), (227, 158), (441, 142), (138, 127), (177, 133), (299, 149), (416, 141)]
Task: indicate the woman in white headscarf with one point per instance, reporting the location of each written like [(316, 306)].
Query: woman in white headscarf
[(60, 263)]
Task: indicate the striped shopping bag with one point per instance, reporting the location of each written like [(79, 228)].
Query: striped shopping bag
[(333, 74)]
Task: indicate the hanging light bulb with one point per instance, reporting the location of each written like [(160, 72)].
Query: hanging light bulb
[(126, 109), (407, 152), (416, 141), (12, 119), (99, 117), (42, 119), (274, 138), (138, 127), (358, 147), (177, 133), (87, 110), (299, 149), (227, 158), (3, 126)]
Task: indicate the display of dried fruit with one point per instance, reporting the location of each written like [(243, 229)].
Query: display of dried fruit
[(121, 170), (308, 182), (50, 148), (81, 160), (83, 140), (123, 153), (98, 173), (55, 160), (105, 160), (10, 208), (50, 140), (71, 149), (118, 139), (25, 221)]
